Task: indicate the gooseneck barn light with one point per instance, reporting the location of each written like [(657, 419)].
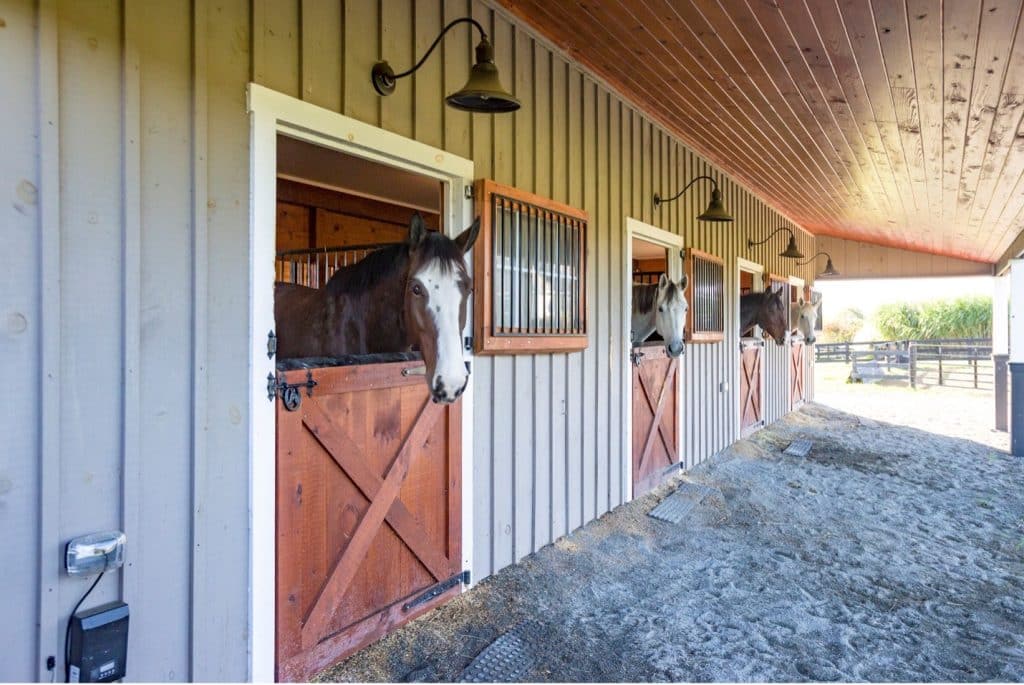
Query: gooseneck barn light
[(791, 251), (714, 212), (483, 91), (829, 269)]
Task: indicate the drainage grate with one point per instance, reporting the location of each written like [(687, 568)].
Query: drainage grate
[(799, 448), (507, 659), (681, 503)]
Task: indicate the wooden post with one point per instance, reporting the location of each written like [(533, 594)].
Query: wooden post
[(939, 355), (847, 353), (974, 361), (913, 364)]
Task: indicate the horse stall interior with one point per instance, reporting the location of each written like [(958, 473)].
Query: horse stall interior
[(752, 348), (369, 528), (655, 378)]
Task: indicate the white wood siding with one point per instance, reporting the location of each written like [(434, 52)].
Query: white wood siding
[(130, 273)]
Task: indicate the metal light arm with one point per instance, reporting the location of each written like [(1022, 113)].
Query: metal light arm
[(657, 196), (384, 79), (751, 243), (471, 20), (815, 257)]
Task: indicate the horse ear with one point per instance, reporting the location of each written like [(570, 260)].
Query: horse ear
[(683, 282), (465, 240), (417, 231), (662, 282)]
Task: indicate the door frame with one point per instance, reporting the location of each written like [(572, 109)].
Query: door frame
[(758, 270), (675, 244), (272, 113)]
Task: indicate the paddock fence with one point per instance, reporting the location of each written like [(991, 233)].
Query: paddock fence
[(961, 363)]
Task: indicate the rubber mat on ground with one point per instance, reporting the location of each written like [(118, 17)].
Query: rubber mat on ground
[(507, 659), (681, 503), (799, 448)]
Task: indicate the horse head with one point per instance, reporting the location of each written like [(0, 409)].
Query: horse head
[(436, 294), (805, 317), (772, 317), (670, 318)]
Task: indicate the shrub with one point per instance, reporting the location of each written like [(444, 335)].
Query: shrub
[(964, 317), (843, 327)]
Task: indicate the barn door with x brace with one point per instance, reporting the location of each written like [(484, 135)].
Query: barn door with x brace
[(655, 430), (796, 374), (369, 523), (751, 386)]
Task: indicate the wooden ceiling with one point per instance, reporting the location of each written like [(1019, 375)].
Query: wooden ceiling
[(895, 122)]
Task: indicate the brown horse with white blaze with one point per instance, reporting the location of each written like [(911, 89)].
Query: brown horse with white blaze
[(403, 297)]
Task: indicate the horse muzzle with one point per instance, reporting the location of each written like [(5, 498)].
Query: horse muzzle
[(442, 392), (676, 349)]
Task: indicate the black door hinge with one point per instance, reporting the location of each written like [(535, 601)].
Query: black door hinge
[(467, 343), (469, 192), (437, 590), (289, 392), (271, 344)]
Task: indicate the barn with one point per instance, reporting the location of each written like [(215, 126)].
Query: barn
[(166, 163)]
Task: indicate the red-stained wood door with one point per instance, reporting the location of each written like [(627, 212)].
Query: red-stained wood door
[(655, 429), (368, 511), (751, 386), (797, 394)]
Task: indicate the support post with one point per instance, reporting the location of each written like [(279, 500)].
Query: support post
[(1001, 388), (1016, 340)]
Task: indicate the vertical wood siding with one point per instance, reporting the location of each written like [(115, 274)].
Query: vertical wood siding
[(142, 422)]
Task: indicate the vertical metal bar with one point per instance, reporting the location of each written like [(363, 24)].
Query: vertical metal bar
[(546, 274), (497, 268), (531, 269)]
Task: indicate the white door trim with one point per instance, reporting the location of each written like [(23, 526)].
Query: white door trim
[(272, 113), (758, 270), (674, 244)]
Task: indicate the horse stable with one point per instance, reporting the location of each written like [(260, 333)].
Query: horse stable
[(168, 163)]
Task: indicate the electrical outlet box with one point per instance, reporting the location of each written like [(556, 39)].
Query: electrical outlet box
[(98, 644), (95, 553)]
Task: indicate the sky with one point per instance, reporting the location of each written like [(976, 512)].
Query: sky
[(869, 294)]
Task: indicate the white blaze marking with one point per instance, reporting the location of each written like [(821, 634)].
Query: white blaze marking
[(444, 299)]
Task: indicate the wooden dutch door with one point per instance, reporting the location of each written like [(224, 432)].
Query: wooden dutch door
[(751, 388), (655, 433), (368, 510), (796, 373)]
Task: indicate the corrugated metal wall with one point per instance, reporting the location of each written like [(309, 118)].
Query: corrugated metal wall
[(131, 285)]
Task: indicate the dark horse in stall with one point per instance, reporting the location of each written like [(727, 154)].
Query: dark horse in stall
[(403, 297), (767, 310)]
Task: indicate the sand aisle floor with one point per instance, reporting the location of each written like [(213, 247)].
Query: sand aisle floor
[(888, 553)]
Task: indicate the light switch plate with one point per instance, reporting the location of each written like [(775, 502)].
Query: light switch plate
[(95, 553)]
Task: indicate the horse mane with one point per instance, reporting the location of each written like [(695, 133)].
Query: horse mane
[(385, 263), (369, 271), (647, 295)]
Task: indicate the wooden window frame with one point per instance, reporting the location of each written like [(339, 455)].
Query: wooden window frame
[(484, 341), (694, 336)]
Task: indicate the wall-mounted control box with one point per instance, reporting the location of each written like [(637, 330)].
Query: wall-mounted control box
[(95, 553), (99, 644)]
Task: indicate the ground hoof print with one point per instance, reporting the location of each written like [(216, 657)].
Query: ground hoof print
[(818, 670)]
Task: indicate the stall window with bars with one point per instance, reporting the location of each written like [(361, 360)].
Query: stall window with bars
[(705, 293), (530, 273)]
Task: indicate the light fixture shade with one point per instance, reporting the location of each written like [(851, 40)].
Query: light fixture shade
[(829, 269), (483, 91), (715, 211), (792, 251)]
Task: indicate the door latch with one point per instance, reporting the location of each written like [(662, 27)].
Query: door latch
[(289, 392)]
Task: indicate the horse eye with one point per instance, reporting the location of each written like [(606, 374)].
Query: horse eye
[(417, 289), (661, 308)]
